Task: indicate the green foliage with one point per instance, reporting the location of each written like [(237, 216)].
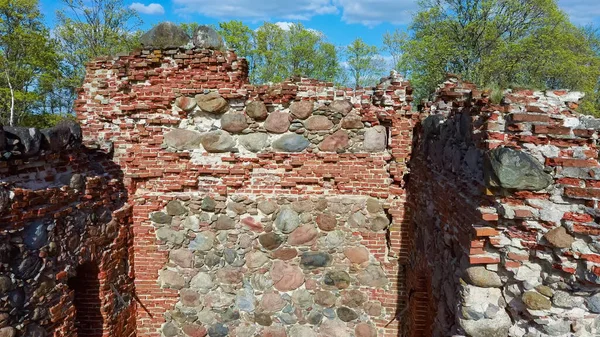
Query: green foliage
[(189, 28), (275, 54), (497, 43), (88, 29), (28, 60), (364, 63)]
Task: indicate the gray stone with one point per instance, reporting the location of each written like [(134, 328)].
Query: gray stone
[(337, 278), (36, 235), (245, 300), (559, 238), (175, 208), (375, 139), (202, 282), (168, 235), (354, 298), (208, 204), (257, 110), (184, 258), (267, 207), (211, 259), (161, 218), (291, 143), (277, 122), (496, 327), (4, 197), (558, 328), (593, 303), (164, 35), (481, 277), (315, 318), (192, 222), (6, 284), (203, 242), (205, 37), (254, 142), (312, 260), (233, 122), (26, 141), (346, 314), (564, 300), (170, 330), (514, 170), (212, 103), (171, 279), (8, 332), (373, 276), (379, 223), (224, 223), (218, 141), (28, 267), (302, 331), (373, 206), (287, 220), (535, 301), (218, 330), (357, 220), (302, 298)]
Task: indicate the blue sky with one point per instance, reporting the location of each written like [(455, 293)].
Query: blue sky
[(340, 20)]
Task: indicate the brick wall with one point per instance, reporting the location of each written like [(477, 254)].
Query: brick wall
[(186, 128), (62, 208), (504, 196)]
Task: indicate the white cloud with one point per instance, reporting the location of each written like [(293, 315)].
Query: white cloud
[(373, 12), (582, 12), (151, 9)]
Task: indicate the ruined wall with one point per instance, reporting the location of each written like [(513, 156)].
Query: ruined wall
[(62, 206), (257, 210), (505, 199)]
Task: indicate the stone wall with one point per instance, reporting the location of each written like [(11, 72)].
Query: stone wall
[(257, 210), (505, 196), (62, 206)]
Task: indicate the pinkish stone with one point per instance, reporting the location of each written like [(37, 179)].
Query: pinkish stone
[(230, 275), (186, 104), (182, 257), (357, 255), (273, 331), (373, 308), (286, 277), (318, 122), (326, 222), (336, 142), (285, 254), (277, 122), (302, 109), (341, 106), (365, 330), (272, 302), (352, 121), (193, 330), (252, 224), (302, 235), (189, 298)]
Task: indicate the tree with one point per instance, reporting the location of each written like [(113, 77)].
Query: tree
[(497, 43), (88, 29), (28, 61), (275, 54), (394, 43), (363, 62)]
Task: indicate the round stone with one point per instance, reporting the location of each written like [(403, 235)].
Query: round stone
[(206, 37), (267, 207), (161, 218), (233, 122), (353, 298), (535, 301), (203, 242), (202, 282), (302, 109), (302, 298), (303, 235), (224, 223), (287, 220), (373, 276), (325, 298), (208, 204), (352, 121), (318, 123), (189, 298), (263, 319), (270, 240), (285, 254), (286, 277), (274, 331), (481, 277), (337, 278), (254, 142), (277, 122), (593, 303), (346, 314), (272, 302), (181, 139), (291, 143), (163, 35), (256, 259), (326, 222), (212, 102), (194, 330), (218, 330), (379, 223), (184, 258), (559, 238), (312, 260), (365, 330), (336, 142), (342, 107), (218, 141), (357, 255), (175, 208), (302, 331), (257, 110)]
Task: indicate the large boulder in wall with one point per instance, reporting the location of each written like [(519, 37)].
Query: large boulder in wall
[(164, 35), (206, 37)]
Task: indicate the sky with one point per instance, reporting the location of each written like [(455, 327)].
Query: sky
[(340, 20)]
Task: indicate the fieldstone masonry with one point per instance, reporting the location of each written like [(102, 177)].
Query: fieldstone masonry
[(198, 204)]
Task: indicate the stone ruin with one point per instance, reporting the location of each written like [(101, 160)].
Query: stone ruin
[(188, 202)]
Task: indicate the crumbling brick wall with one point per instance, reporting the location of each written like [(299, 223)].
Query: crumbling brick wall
[(505, 199), (256, 209), (61, 206)]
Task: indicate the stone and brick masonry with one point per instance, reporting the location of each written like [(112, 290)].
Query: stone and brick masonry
[(198, 204)]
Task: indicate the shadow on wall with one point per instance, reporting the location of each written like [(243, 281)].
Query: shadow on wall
[(86, 298)]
